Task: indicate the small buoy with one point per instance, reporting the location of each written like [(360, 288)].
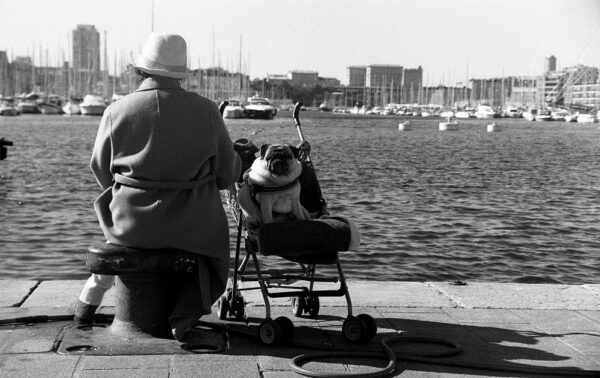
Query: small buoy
[(493, 127), (448, 126), (404, 126)]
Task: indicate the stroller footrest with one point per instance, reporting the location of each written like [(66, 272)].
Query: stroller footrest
[(319, 293)]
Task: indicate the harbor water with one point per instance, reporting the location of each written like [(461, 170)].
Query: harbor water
[(520, 205)]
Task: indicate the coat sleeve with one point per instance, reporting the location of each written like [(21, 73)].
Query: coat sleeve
[(227, 162), (102, 154)]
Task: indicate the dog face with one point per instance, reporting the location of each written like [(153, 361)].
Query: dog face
[(279, 157)]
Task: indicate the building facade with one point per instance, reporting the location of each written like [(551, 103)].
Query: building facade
[(356, 76), (586, 95), (523, 91), (4, 75), (303, 78), (85, 59), (411, 87)]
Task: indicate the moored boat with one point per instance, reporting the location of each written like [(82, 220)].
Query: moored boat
[(71, 107), (7, 107), (485, 111), (49, 108), (260, 107), (324, 107), (234, 109), (530, 114), (571, 117), (27, 106), (586, 118), (543, 116), (512, 112), (559, 115), (464, 113), (92, 105)]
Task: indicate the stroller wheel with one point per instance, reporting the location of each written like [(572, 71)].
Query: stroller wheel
[(354, 329), (223, 307), (312, 305), (238, 307), (298, 306), (287, 328), (270, 332), (371, 326)]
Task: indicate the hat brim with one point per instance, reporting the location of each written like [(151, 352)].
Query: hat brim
[(161, 72)]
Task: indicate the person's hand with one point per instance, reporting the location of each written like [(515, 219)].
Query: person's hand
[(304, 148), (253, 223)]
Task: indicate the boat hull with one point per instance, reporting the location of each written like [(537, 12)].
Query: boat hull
[(233, 113), (9, 111), (92, 109), (586, 118), (259, 112), (28, 107), (50, 109)]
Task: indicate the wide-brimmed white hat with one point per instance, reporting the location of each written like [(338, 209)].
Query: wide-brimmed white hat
[(164, 54)]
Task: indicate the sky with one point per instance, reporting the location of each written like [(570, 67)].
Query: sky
[(452, 40)]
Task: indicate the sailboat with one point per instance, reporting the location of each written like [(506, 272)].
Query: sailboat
[(92, 105)]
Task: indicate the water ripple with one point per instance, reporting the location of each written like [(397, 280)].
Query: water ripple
[(522, 205)]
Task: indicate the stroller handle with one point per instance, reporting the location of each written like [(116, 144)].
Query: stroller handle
[(296, 116)]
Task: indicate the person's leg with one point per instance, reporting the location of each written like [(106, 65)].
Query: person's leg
[(193, 299), (91, 297)]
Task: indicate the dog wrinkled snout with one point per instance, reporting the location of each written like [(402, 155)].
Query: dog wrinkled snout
[(279, 167), (278, 160)]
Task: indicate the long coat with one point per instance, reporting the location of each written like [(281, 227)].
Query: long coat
[(161, 156)]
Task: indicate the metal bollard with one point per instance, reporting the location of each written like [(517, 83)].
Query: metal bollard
[(149, 285)]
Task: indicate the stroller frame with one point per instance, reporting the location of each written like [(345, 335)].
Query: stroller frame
[(276, 283)]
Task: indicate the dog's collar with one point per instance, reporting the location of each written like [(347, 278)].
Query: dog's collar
[(259, 188)]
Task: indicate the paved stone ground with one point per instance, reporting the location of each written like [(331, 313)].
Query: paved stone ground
[(511, 328)]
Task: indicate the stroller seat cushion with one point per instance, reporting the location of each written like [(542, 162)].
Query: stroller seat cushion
[(297, 238)]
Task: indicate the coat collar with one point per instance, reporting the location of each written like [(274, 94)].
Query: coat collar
[(159, 82)]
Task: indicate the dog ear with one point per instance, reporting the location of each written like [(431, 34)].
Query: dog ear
[(263, 150), (295, 151)]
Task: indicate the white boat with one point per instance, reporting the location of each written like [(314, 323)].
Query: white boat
[(27, 106), (464, 113), (447, 113), (571, 117), (92, 105), (324, 107), (448, 125), (234, 109), (49, 108), (586, 118), (7, 108), (116, 97), (543, 116), (530, 114), (376, 110), (260, 107), (485, 111), (71, 107), (559, 115), (512, 112)]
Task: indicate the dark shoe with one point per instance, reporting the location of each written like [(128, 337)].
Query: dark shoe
[(83, 313)]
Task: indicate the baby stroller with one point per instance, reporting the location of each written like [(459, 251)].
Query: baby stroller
[(294, 241)]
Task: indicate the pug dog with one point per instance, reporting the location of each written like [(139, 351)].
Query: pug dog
[(272, 190)]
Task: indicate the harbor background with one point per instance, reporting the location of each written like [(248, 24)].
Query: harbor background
[(519, 205)]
